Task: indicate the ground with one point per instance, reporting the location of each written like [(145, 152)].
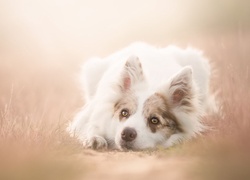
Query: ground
[(134, 165)]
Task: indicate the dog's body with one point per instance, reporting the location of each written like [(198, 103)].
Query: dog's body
[(143, 97)]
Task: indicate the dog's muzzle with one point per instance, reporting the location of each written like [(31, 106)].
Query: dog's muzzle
[(128, 135)]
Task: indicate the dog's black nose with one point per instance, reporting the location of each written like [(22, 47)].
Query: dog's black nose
[(128, 134)]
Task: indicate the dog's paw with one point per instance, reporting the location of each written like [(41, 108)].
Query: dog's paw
[(97, 143)]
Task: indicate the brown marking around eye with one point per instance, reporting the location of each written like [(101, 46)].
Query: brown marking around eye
[(128, 102), (157, 106)]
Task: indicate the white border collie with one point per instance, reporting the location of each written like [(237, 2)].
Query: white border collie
[(143, 97)]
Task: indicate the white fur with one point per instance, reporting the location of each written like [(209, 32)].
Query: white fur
[(95, 125)]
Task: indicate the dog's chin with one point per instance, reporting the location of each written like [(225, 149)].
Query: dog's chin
[(132, 146), (127, 146)]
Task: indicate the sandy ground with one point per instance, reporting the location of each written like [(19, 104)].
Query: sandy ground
[(134, 165)]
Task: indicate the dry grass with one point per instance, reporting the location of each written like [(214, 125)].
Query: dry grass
[(38, 100)]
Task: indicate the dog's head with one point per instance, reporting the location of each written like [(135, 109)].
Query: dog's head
[(149, 116)]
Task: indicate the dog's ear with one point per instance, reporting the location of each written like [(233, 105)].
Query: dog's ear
[(181, 86), (132, 73), (180, 90)]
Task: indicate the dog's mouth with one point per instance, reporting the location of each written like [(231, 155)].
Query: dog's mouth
[(126, 146)]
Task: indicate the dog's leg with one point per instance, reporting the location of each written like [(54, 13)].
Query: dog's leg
[(96, 130), (92, 138), (173, 140), (78, 126), (96, 142), (87, 132)]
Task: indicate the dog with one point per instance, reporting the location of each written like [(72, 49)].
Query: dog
[(143, 97)]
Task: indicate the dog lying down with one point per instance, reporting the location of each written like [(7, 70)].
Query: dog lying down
[(143, 97)]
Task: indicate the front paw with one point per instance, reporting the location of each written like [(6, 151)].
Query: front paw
[(97, 143)]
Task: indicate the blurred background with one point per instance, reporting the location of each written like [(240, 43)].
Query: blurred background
[(43, 44), (48, 40), (52, 32)]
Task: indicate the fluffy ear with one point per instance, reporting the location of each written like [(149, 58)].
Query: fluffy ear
[(181, 88), (132, 73)]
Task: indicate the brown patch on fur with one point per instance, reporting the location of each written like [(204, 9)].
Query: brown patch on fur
[(141, 70), (157, 106), (187, 103), (128, 102)]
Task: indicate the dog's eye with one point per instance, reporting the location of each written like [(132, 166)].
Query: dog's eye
[(154, 120), (125, 113)]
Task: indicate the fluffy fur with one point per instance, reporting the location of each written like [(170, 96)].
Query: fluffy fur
[(143, 97)]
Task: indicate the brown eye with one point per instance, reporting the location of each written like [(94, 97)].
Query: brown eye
[(124, 113), (154, 120)]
